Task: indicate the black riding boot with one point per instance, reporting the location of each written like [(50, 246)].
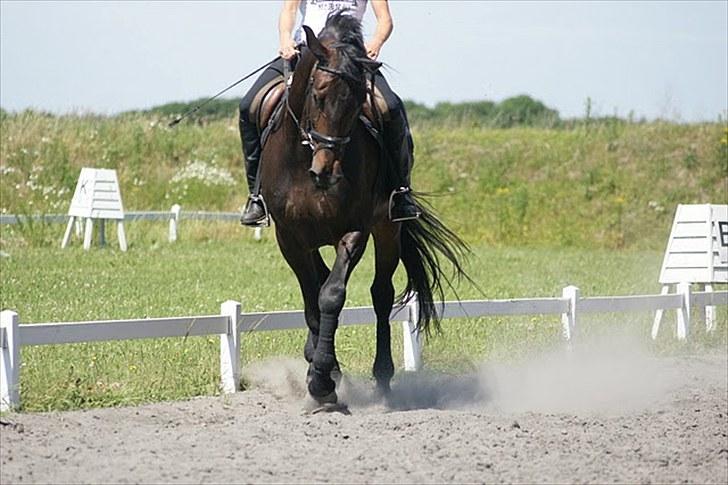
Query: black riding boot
[(254, 213), (399, 144)]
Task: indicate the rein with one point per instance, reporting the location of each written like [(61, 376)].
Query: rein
[(197, 108)]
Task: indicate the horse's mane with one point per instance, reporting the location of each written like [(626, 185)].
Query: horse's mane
[(345, 34)]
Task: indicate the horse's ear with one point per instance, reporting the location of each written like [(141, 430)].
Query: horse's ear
[(315, 45)]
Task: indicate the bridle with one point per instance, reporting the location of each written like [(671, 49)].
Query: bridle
[(309, 136)]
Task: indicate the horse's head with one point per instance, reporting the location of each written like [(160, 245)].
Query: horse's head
[(336, 92)]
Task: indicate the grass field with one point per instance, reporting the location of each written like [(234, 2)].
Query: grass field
[(542, 208), (597, 186), (194, 276)]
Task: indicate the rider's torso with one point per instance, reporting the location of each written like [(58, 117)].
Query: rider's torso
[(315, 12)]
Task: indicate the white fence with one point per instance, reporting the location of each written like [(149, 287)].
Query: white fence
[(231, 322), (173, 216)]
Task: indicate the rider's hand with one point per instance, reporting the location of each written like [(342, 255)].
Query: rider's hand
[(288, 50), (373, 50)]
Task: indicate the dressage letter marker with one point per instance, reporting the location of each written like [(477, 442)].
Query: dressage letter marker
[(97, 196), (697, 252)]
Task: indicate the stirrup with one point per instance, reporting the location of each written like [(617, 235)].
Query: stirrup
[(398, 191), (265, 221)]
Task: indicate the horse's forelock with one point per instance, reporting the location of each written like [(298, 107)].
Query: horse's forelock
[(345, 34), (345, 29)]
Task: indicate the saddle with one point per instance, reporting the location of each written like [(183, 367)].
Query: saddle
[(267, 107)]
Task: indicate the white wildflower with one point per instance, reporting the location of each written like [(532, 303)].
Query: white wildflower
[(205, 173)]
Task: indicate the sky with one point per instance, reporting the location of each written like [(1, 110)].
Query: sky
[(657, 59)]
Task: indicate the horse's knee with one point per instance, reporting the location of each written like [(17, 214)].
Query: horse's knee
[(331, 298)]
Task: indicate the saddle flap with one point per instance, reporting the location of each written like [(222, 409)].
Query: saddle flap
[(269, 102), (381, 106)]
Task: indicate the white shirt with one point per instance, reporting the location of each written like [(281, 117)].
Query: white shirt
[(315, 12)]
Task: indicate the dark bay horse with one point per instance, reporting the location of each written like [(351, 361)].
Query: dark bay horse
[(324, 178)]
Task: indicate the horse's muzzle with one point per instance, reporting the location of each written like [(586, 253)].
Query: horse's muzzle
[(323, 181), (325, 172)]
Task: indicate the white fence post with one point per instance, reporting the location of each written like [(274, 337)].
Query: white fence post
[(658, 313), (411, 336), (709, 312), (88, 233), (568, 320), (173, 222), (9, 361), (230, 348), (683, 314)]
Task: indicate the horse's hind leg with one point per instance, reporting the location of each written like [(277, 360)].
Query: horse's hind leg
[(386, 244), (331, 300)]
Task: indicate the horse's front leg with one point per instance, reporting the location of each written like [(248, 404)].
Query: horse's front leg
[(311, 272), (331, 300)]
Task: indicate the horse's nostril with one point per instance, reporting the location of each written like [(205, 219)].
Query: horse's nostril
[(319, 181)]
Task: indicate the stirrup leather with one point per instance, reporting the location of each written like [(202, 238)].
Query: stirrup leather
[(265, 221), (395, 192)]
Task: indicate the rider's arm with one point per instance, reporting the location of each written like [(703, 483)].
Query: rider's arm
[(286, 22), (384, 27)]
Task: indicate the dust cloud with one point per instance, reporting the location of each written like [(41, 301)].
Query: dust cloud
[(610, 375)]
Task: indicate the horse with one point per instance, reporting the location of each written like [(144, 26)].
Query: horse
[(325, 181)]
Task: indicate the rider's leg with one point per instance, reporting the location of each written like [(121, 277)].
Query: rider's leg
[(399, 144), (250, 137)]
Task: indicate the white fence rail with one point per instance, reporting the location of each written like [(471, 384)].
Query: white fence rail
[(173, 216), (231, 322)]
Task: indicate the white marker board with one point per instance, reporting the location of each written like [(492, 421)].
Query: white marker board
[(97, 195), (697, 251)]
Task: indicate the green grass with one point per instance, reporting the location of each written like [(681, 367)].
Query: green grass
[(194, 276), (594, 186)]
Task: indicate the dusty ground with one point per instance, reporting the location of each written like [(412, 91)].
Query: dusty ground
[(586, 418)]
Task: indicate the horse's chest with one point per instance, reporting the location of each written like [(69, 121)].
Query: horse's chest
[(311, 205)]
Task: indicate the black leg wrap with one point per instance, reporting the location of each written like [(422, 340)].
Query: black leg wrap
[(324, 359), (321, 383)]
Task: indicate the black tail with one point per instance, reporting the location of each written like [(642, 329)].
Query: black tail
[(423, 242)]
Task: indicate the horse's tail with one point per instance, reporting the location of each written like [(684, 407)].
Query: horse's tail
[(423, 242)]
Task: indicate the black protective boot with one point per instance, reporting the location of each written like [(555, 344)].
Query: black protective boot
[(255, 213), (398, 141)]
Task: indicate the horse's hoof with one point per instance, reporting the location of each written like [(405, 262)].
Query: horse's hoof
[(320, 387), (332, 408), (330, 398)]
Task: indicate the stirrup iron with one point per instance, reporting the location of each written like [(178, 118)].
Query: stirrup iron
[(265, 221), (395, 192)]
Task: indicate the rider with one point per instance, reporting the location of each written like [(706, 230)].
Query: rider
[(396, 133)]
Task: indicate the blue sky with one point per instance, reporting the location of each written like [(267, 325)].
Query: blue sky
[(655, 59)]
